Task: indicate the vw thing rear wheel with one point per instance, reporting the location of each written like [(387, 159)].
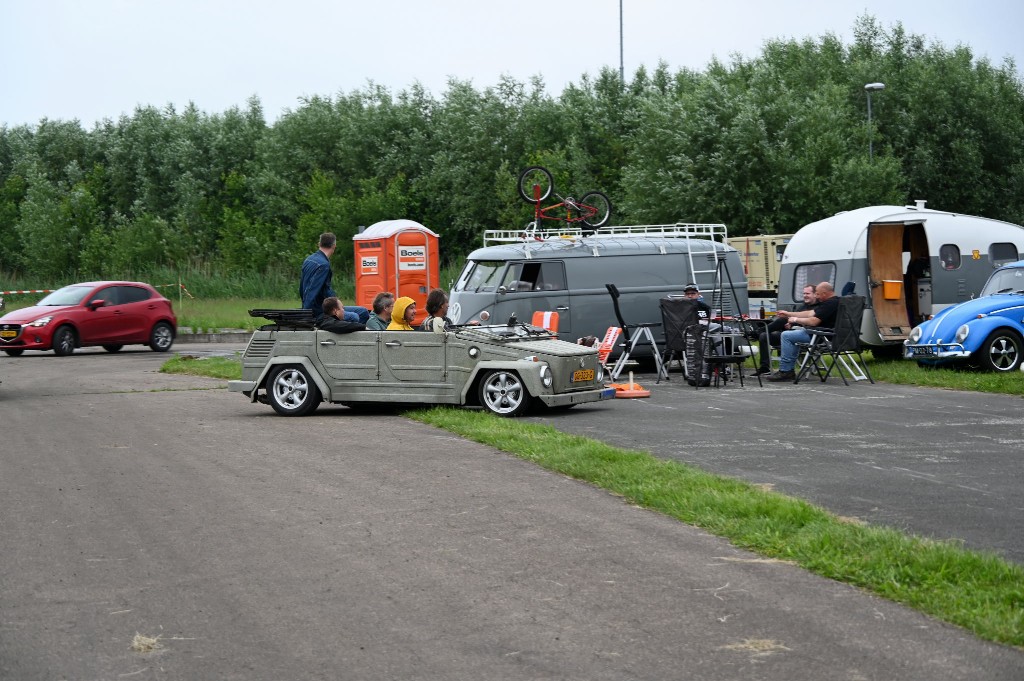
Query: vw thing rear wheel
[(292, 392)]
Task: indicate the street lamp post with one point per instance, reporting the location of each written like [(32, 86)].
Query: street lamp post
[(869, 88), (622, 66)]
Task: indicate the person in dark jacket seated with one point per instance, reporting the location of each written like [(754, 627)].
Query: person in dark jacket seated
[(771, 336), (333, 318), (823, 314)]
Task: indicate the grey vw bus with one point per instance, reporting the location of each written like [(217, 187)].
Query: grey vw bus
[(519, 273)]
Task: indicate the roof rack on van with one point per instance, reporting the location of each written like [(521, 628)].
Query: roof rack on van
[(679, 230)]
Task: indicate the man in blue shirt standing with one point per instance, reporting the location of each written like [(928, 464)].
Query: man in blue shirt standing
[(315, 285)]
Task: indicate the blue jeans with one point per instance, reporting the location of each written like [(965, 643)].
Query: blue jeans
[(789, 351), (356, 313)]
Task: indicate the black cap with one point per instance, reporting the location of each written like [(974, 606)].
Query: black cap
[(691, 287)]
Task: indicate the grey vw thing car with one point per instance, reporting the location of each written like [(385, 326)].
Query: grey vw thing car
[(505, 369)]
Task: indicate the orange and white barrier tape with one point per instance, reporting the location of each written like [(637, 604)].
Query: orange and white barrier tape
[(35, 290), (182, 288)]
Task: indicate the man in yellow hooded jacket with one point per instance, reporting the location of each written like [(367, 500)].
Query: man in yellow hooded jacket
[(403, 315)]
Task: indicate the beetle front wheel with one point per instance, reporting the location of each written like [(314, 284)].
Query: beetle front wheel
[(1001, 351), (503, 393)]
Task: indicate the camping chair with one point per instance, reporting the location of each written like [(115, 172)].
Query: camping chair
[(643, 331), (678, 313), (842, 344)]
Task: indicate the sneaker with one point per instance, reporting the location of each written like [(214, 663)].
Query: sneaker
[(782, 376), (760, 371)]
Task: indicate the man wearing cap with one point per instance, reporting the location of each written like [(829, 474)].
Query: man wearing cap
[(703, 309)]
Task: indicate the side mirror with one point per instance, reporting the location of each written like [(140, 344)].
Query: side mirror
[(502, 290), (93, 304)]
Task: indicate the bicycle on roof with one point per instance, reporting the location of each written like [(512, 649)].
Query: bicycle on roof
[(593, 209)]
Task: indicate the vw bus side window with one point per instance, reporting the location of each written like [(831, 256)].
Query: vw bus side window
[(480, 275), (1000, 254), (813, 274), (949, 254), (534, 276)]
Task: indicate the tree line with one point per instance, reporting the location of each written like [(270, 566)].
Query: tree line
[(764, 145)]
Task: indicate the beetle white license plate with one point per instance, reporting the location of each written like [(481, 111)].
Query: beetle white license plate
[(583, 375)]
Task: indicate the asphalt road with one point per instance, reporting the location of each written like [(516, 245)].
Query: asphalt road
[(352, 546), (938, 463)]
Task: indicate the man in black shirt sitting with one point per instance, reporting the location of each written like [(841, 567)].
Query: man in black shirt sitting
[(333, 318), (771, 336), (823, 314)]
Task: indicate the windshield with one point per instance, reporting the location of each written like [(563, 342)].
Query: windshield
[(507, 332), (1005, 281), (69, 295), (480, 275)]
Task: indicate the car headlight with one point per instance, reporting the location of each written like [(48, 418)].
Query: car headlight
[(545, 376), (961, 333), (599, 375), (915, 335), (42, 321)]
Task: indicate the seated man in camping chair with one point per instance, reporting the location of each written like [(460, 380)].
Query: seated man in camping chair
[(823, 314), (771, 334)]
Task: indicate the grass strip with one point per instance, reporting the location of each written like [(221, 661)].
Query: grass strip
[(229, 368), (975, 590)]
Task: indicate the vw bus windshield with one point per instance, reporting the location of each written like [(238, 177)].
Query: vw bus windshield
[(480, 275)]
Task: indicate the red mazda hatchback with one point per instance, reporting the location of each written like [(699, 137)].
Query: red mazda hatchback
[(111, 314)]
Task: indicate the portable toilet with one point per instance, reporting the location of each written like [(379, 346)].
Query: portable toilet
[(400, 256)]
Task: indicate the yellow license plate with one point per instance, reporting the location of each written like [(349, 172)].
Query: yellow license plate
[(583, 375), (8, 334)]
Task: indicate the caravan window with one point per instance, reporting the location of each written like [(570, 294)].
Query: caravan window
[(480, 275), (949, 254), (535, 276), (812, 274), (1000, 254)]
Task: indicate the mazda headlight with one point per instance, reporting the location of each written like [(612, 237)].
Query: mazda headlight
[(961, 333), (42, 321), (915, 335)]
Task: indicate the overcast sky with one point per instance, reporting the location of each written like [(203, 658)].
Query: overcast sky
[(96, 59)]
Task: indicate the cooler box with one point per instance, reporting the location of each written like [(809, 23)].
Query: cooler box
[(400, 256)]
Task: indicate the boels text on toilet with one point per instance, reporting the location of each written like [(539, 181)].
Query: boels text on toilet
[(412, 258), (368, 265)]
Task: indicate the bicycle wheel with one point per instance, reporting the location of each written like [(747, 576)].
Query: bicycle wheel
[(535, 184), (602, 207)]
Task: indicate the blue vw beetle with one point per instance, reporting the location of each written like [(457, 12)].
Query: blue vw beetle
[(986, 332)]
